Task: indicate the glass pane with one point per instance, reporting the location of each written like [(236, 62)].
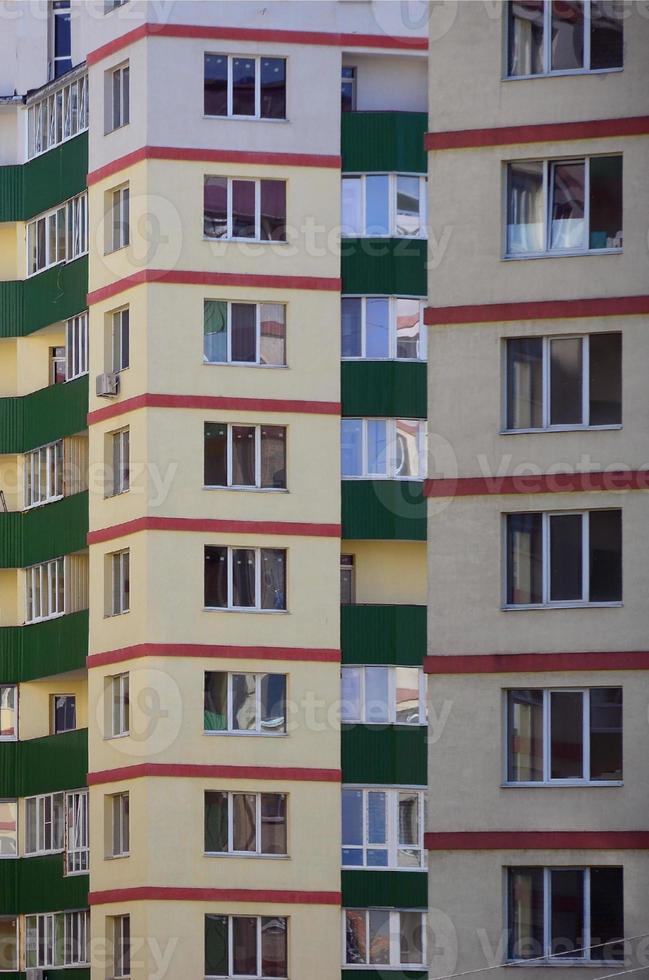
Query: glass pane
[(215, 325), (567, 35), (351, 447), (355, 936), (567, 911), (525, 383), (8, 943), (379, 936), (244, 821), (273, 947), (273, 88), (377, 328), (377, 831), (216, 577), (352, 826), (216, 85), (351, 219), (605, 556), (215, 444), (273, 210), (566, 369), (216, 822), (606, 35), (407, 695), (244, 702), (566, 735), (408, 460), (376, 695), (8, 833), (409, 853), (411, 937), (347, 100), (273, 578), (215, 705), (273, 823), (409, 329), (244, 332), (351, 327), (243, 577), (7, 712), (215, 207), (605, 378), (605, 202), (377, 447), (408, 221), (606, 733), (216, 946), (350, 694), (525, 913), (567, 228), (524, 559), (566, 566), (272, 334), (607, 912), (524, 736), (273, 703), (243, 86), (244, 945), (525, 207), (243, 456), (525, 30), (243, 209), (273, 456), (377, 204)]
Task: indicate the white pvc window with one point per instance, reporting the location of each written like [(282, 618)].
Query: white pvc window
[(120, 446), (245, 579), (76, 347), (253, 946), (44, 474), (244, 209), (120, 329), (121, 946), (45, 590), (245, 823), (57, 116), (384, 937), (120, 825), (244, 456), (8, 712), (120, 704), (120, 581), (57, 939), (77, 844), (245, 86), (244, 333), (384, 206), (383, 695), (389, 449), (383, 328), (245, 703), (59, 235), (44, 823), (120, 218), (383, 828), (119, 94)]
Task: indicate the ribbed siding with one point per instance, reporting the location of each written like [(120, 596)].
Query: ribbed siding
[(54, 646), (390, 510), (384, 266), (389, 141), (12, 298), (396, 389), (38, 884), (11, 192), (373, 974), (43, 416), (390, 755), (54, 529), (56, 294), (393, 634), (44, 765), (378, 889), (29, 189)]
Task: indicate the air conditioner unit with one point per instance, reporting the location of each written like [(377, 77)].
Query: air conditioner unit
[(34, 974), (107, 385)]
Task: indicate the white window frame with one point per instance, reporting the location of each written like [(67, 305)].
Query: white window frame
[(120, 457), (547, 250), (57, 116), (547, 386), (120, 825), (547, 49), (392, 206), (258, 730), (391, 845), (257, 852), (120, 321), (391, 447), (548, 956), (395, 941), (546, 602), (229, 458), (53, 698), (121, 946), (70, 221), (257, 181), (120, 218), (120, 602), (76, 935), (49, 574), (35, 810), (392, 697), (230, 85), (120, 705), (77, 844), (547, 779), (392, 328), (257, 606), (257, 362), (350, 80), (259, 974), (52, 457), (120, 76), (14, 688), (76, 346)]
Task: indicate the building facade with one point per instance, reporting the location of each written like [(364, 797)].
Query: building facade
[(537, 826), (213, 403)]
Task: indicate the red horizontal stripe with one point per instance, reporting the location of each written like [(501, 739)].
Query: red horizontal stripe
[(506, 663), (537, 840), (542, 310), (160, 893), (471, 486), (186, 771), (198, 154), (206, 524), (328, 39), (213, 651), (460, 139), (213, 403), (188, 278)]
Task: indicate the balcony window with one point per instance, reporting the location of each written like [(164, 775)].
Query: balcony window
[(245, 87), (384, 937), (389, 449), (245, 579), (248, 824), (383, 328), (253, 946), (244, 209), (384, 205), (374, 695), (245, 457), (244, 333), (245, 703)]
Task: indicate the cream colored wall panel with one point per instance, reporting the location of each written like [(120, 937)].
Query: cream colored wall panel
[(9, 237), (475, 716), (473, 238), (33, 358), (107, 509), (36, 704), (11, 612), (107, 632), (466, 538), (392, 572), (8, 367)]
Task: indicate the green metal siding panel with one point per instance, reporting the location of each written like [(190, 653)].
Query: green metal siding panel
[(60, 528), (45, 649), (384, 266), (38, 884), (383, 141), (383, 634), (43, 416), (384, 754), (55, 176), (56, 294), (44, 765), (12, 297), (11, 192), (395, 389), (388, 510), (371, 974), (378, 889)]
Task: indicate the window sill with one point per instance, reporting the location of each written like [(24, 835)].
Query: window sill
[(555, 962), (245, 609), (564, 73), (249, 489), (262, 119), (247, 241), (36, 854), (613, 427), (561, 254), (118, 248), (43, 503), (109, 738), (384, 360), (387, 867), (114, 615), (109, 496), (246, 734), (378, 476), (244, 364), (563, 605), (568, 784), (116, 857), (43, 619), (246, 855), (344, 236), (116, 129), (8, 738), (384, 967)]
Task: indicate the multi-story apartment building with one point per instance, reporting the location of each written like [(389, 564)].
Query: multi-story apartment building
[(537, 827), (186, 344)]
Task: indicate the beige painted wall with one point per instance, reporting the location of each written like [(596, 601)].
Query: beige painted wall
[(392, 572), (35, 703)]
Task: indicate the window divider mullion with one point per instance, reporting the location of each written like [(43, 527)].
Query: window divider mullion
[(257, 186), (547, 37), (229, 86), (228, 455), (585, 563), (258, 333), (257, 88), (257, 602), (545, 562), (547, 736), (585, 747), (229, 802), (228, 216), (587, 20), (587, 204), (363, 327), (229, 554), (585, 384), (258, 450), (587, 937), (547, 206), (547, 912)]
